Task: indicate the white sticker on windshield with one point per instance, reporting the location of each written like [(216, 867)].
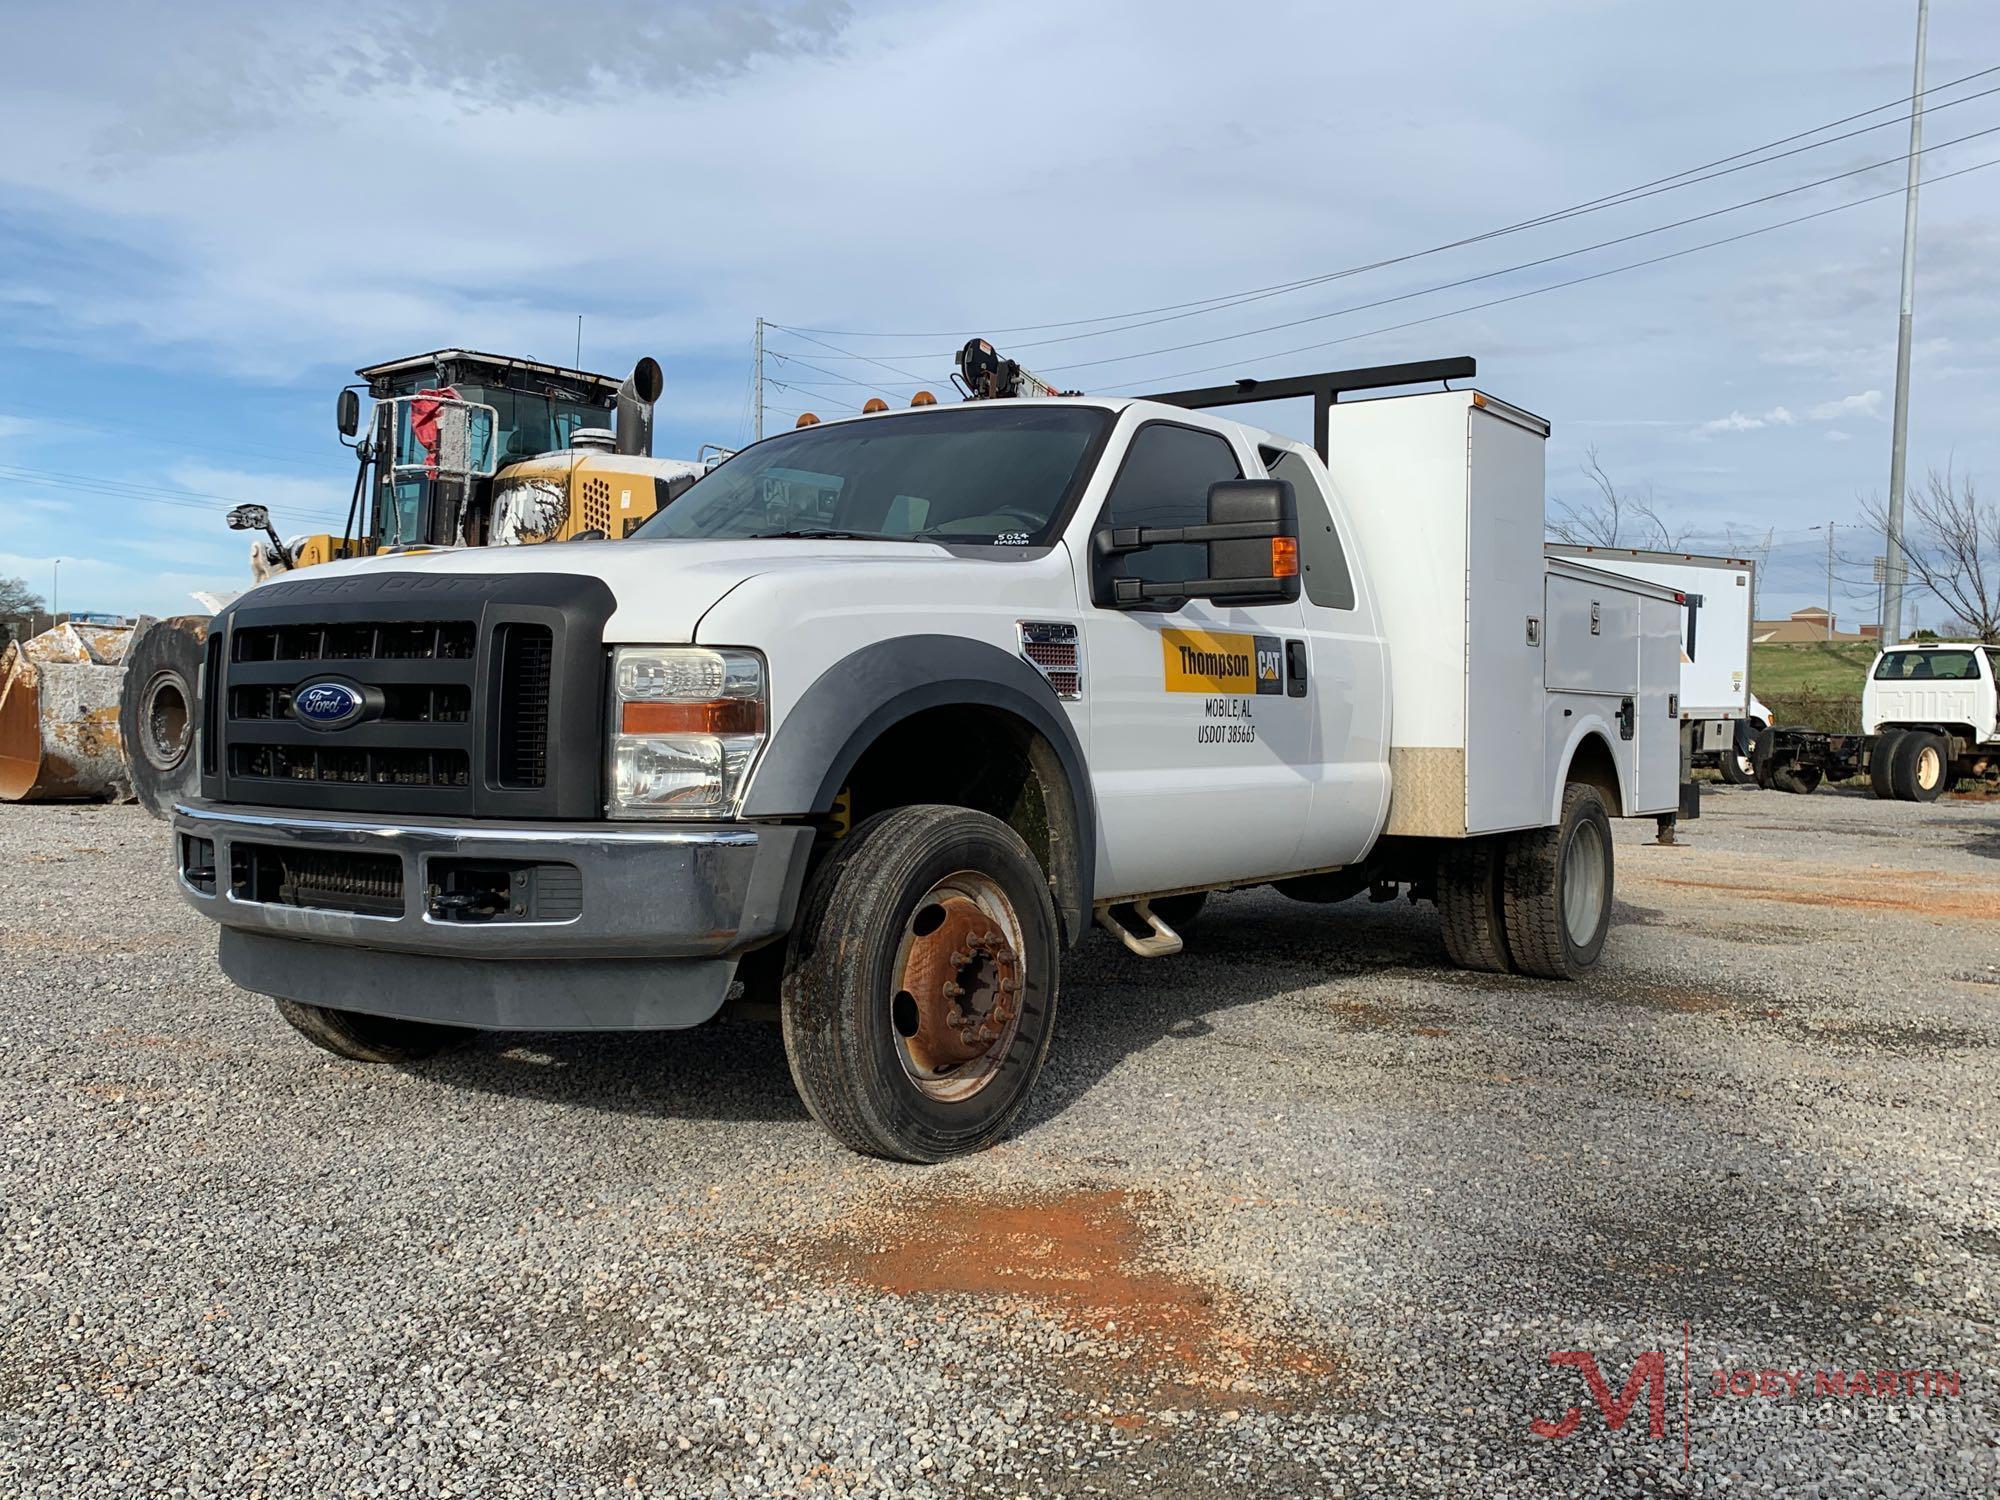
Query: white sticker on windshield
[(1011, 539)]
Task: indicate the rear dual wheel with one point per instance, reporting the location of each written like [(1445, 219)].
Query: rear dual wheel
[(920, 989), (1537, 902), (1920, 770)]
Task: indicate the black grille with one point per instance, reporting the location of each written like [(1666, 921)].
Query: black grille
[(478, 695), (404, 703), (526, 661), (389, 640), (380, 767), (330, 880)]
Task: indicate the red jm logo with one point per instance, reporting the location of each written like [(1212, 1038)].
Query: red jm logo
[(1649, 1373)]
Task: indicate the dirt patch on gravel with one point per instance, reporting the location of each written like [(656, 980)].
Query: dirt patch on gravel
[(1913, 892), (1084, 1260)]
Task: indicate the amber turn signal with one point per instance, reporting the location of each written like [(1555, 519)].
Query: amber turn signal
[(1284, 557), (719, 716), (806, 419)]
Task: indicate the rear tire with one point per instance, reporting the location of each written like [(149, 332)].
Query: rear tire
[(1471, 905), (1557, 889), (369, 1039), (1800, 781), (876, 1023), (159, 711), (1922, 766), (1882, 763)]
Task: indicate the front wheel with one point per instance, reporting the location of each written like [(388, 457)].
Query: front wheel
[(1738, 763), (1557, 889), (920, 989), (159, 710)]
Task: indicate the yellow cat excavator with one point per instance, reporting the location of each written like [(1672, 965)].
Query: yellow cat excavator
[(460, 449)]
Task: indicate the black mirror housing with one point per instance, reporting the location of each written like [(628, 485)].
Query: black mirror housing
[(347, 413), (250, 518), (1252, 534)]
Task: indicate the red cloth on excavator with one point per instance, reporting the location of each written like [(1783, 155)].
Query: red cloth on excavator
[(424, 412)]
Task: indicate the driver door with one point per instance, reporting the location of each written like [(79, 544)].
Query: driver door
[(1200, 747)]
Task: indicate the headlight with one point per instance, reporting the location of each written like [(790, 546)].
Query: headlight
[(687, 723)]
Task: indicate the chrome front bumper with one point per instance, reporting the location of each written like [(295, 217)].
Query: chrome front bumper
[(661, 914)]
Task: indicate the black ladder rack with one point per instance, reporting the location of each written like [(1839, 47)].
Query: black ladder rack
[(1325, 389)]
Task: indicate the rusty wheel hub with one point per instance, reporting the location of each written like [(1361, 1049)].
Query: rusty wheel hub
[(957, 1002)]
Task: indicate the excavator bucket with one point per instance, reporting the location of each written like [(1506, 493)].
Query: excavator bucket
[(59, 715)]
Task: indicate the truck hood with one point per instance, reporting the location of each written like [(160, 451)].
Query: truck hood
[(663, 588)]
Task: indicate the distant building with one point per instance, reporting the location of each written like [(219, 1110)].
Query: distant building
[(1809, 624)]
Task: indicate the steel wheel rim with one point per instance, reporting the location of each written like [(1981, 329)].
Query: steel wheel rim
[(166, 722), (1583, 882), (1745, 766), (1928, 763), (957, 987)]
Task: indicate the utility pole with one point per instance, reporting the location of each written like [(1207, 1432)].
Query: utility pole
[(1829, 580), (55, 593), (758, 429), (1892, 613)]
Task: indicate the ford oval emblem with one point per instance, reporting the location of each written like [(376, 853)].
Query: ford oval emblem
[(326, 705)]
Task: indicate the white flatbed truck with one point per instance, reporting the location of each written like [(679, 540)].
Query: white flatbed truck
[(1930, 719), (882, 715)]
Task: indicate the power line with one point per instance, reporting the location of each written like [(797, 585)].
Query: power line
[(116, 489), (795, 360), (1526, 265), (1560, 285), (1645, 189)]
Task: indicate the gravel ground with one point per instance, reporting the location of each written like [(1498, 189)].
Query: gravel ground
[(1304, 1212)]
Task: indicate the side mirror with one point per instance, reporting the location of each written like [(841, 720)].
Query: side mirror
[(347, 413), (250, 518), (1252, 536)]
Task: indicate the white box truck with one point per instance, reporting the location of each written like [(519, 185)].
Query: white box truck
[(1719, 712), (882, 715)]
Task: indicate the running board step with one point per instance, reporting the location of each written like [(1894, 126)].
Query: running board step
[(1161, 940)]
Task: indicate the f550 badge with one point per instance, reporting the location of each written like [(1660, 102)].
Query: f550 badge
[(1202, 661)]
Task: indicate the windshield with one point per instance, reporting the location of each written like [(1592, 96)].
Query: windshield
[(992, 474), (531, 423), (1927, 666)]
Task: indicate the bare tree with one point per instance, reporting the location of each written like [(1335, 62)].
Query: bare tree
[(1951, 540), (1614, 517), (16, 598)]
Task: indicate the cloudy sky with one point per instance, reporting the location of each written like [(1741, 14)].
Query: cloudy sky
[(210, 216)]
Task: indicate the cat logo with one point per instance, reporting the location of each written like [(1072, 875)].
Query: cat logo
[(1270, 664)]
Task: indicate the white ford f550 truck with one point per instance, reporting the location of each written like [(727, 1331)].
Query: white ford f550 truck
[(882, 715)]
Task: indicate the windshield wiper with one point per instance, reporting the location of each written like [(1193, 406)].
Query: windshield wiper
[(831, 533)]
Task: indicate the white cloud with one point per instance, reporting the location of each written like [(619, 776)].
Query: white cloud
[(1736, 421), (1835, 435), (1865, 404)]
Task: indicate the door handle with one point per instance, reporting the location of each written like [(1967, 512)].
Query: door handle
[(1295, 669), (1625, 719)]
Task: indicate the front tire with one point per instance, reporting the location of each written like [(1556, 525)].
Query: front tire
[(920, 989), (1738, 763), (369, 1039), (1557, 890)]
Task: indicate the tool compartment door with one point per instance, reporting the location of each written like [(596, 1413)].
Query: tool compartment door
[(1658, 751)]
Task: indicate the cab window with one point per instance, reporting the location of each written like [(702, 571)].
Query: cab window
[(1322, 560), (1927, 666), (1164, 482)]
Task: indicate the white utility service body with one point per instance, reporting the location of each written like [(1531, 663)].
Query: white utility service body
[(1720, 594), (1422, 699)]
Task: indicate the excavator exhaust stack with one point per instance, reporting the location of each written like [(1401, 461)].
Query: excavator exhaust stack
[(59, 715)]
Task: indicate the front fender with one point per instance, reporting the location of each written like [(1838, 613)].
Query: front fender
[(868, 691)]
